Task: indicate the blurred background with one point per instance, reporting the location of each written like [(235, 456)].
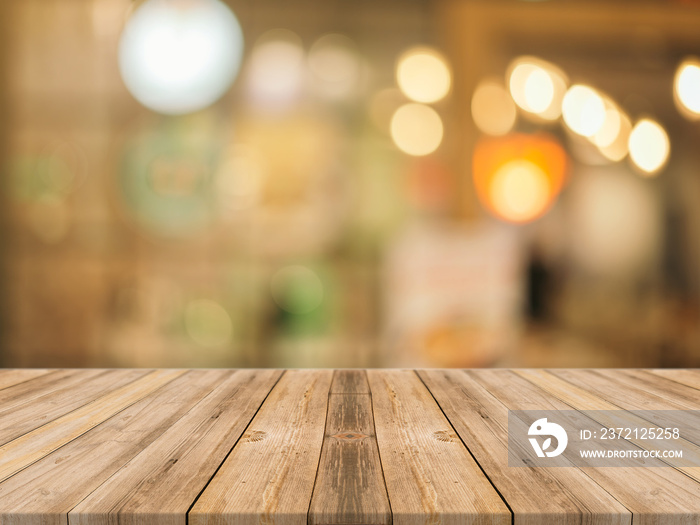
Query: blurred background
[(312, 183)]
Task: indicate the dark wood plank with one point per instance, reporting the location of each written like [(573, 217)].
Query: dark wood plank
[(350, 486), (269, 476), (170, 473), (479, 414), (430, 476), (350, 382), (45, 492)]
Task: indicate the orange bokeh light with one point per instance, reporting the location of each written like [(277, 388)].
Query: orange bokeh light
[(518, 177)]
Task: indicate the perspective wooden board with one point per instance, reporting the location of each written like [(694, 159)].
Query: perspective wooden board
[(323, 447)]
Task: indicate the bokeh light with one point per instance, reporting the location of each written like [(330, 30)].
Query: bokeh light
[(618, 149), (583, 110), (612, 125), (423, 75), (179, 57), (275, 74), (493, 109), (686, 88), (336, 66), (518, 177), (537, 86), (615, 219), (208, 323), (416, 129), (649, 146), (297, 289), (539, 90), (519, 190)]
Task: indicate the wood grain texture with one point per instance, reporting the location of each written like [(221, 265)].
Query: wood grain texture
[(350, 382), (25, 413), (664, 496), (172, 471), (44, 493), (588, 388), (430, 476), (216, 447), (629, 390), (477, 404), (11, 377), (349, 485), (689, 378), (269, 476), (34, 445)]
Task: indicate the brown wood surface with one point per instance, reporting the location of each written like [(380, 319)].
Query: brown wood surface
[(477, 405), (350, 447), (269, 476), (430, 476), (349, 484)]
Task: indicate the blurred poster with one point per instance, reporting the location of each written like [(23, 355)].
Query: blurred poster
[(453, 295)]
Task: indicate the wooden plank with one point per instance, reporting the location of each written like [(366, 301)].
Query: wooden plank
[(479, 414), (44, 493), (660, 386), (171, 471), (689, 378), (34, 445), (269, 476), (350, 382), (430, 475), (632, 390), (14, 396), (584, 390), (659, 496), (13, 376), (349, 485), (22, 415)]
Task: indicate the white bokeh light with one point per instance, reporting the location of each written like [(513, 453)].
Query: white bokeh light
[(178, 56), (275, 72), (649, 146), (687, 88), (583, 110)]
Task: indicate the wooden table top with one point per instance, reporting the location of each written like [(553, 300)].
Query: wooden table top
[(177, 447)]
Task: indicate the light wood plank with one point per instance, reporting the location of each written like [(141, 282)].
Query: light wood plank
[(430, 476), (172, 471), (479, 413), (13, 376), (630, 390), (12, 397), (590, 388), (34, 445), (659, 496), (269, 476), (46, 491), (350, 485), (678, 393), (689, 378), (24, 414)]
